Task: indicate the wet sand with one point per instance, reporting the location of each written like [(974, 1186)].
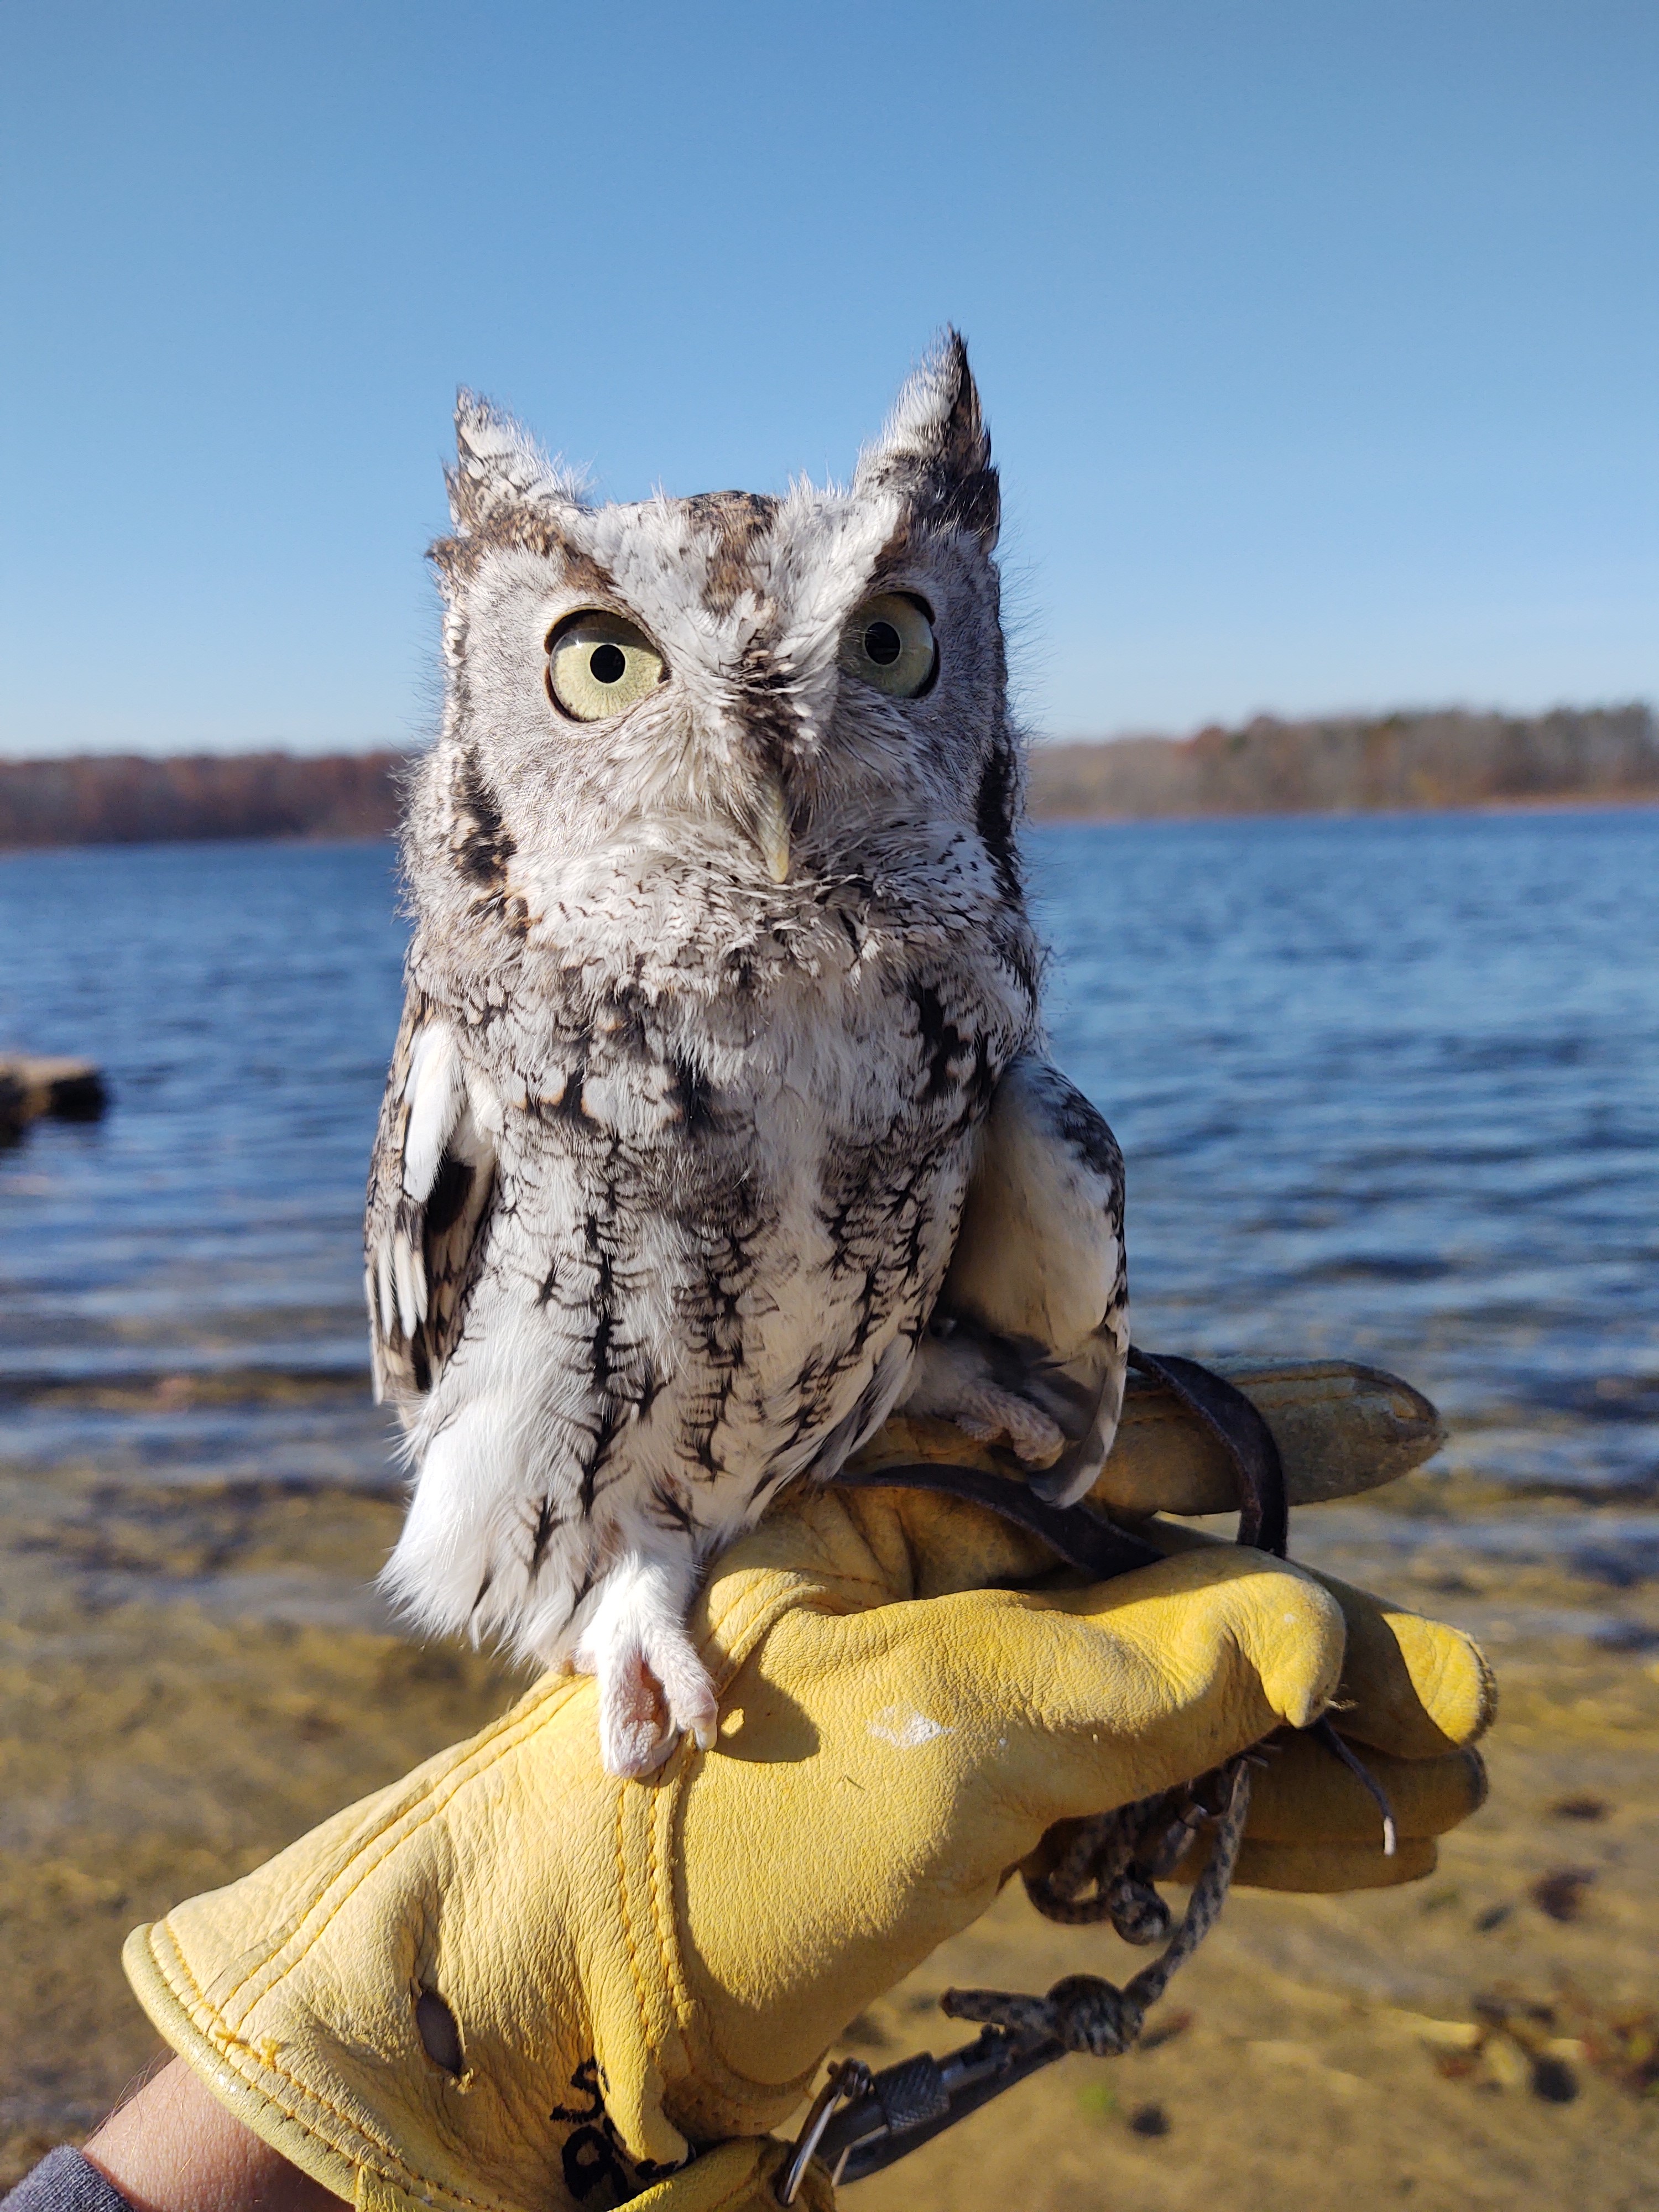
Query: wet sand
[(194, 1675)]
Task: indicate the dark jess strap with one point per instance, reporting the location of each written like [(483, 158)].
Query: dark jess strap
[(1082, 1535)]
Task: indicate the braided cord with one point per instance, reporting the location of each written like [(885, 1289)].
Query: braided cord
[(1083, 2012)]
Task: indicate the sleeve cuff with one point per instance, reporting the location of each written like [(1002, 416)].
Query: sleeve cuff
[(65, 2182)]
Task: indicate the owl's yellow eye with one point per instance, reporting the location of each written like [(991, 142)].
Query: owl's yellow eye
[(889, 643), (599, 665)]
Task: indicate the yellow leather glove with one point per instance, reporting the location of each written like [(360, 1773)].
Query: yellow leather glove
[(512, 1983)]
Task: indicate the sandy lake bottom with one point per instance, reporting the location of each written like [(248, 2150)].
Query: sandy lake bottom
[(190, 1681)]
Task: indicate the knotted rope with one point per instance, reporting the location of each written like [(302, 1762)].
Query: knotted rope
[(1120, 1854)]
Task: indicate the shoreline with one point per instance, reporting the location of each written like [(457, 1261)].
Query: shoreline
[(1043, 819), (1450, 760), (1551, 803), (228, 1683)]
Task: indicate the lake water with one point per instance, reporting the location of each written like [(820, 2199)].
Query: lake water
[(1386, 1086)]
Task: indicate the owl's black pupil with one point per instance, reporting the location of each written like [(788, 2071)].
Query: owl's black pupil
[(883, 643), (607, 663)]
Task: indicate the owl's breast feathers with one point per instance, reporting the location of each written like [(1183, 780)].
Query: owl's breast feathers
[(685, 1238)]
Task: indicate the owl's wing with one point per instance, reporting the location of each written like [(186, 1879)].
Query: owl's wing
[(430, 1185), (1037, 1293)]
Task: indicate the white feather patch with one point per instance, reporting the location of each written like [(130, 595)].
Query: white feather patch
[(435, 1091), (411, 1284)]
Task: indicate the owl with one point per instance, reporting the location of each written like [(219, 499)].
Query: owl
[(719, 1124)]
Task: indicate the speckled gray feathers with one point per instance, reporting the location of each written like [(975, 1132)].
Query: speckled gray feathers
[(674, 1155)]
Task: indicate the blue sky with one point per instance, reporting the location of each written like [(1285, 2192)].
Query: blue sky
[(1320, 340)]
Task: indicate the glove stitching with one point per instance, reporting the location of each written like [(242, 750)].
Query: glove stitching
[(739, 1638), (502, 1736), (623, 1908), (625, 1900), (230, 2047), (685, 2010), (662, 1910), (812, 1586), (740, 1630)]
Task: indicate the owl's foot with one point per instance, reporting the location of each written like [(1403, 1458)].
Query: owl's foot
[(950, 1381), (654, 1688), (641, 1719)]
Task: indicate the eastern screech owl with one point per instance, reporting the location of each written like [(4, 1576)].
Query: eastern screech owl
[(718, 1126)]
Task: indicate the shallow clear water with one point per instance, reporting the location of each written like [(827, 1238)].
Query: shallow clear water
[(1386, 1087), (180, 1284)]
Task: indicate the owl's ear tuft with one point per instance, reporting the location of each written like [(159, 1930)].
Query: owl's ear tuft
[(499, 466), (936, 449)]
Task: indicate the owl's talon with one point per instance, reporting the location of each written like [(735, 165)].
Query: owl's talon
[(950, 1381), (692, 1706)]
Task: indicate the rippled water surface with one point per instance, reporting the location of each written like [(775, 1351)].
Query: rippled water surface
[(1386, 1087)]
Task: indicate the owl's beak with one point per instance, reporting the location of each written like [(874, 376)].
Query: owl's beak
[(772, 827)]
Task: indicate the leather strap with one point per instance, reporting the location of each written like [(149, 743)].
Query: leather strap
[(1264, 1511), (1083, 1536)]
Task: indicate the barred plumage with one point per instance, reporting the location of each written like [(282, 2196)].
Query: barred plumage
[(722, 1005)]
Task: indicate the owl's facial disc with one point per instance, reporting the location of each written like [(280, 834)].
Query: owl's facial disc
[(599, 665)]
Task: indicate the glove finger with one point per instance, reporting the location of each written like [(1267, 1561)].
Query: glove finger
[(1102, 1695), (1322, 1869), (1412, 1686), (1304, 1794)]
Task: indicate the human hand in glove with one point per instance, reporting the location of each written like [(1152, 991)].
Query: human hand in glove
[(512, 1982)]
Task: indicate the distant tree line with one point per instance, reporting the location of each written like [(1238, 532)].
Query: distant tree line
[(1339, 765), (1353, 764), (122, 799)]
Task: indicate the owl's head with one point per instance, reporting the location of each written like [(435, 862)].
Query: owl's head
[(782, 690)]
